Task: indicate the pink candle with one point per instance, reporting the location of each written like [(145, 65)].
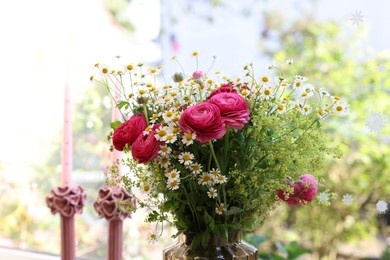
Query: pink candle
[(67, 152)]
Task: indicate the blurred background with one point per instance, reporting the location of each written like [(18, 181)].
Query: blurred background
[(343, 46)]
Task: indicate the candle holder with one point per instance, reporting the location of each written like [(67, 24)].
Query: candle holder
[(106, 205), (67, 201)]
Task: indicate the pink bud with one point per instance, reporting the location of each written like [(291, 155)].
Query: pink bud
[(198, 74), (305, 189)]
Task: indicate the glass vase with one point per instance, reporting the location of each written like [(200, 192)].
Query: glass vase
[(218, 248)]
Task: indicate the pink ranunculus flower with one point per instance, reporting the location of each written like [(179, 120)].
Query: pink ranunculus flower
[(204, 120), (145, 148), (304, 191), (198, 74), (233, 107), (126, 133), (224, 88)]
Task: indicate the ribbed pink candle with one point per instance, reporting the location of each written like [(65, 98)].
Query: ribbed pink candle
[(67, 151)]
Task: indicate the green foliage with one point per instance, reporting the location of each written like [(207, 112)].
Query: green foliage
[(360, 76), (275, 250)]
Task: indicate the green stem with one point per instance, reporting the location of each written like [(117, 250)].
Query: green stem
[(214, 156), (146, 114)]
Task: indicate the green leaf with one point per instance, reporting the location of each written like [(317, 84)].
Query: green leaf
[(233, 210), (116, 124), (196, 241), (122, 104), (205, 239), (294, 250), (281, 248)]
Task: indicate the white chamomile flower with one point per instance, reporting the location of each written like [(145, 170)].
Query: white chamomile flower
[(104, 69), (341, 108), (165, 150), (196, 168), (154, 118), (188, 138), (215, 172), (375, 122), (186, 158), (267, 93), (147, 130), (161, 133), (347, 199), (220, 179), (298, 82), (173, 174), (220, 209), (129, 68), (381, 206), (265, 79), (323, 198), (306, 109), (173, 184), (170, 137), (152, 237), (306, 93), (206, 179), (212, 193), (168, 115), (164, 161), (142, 92), (145, 188), (281, 107)]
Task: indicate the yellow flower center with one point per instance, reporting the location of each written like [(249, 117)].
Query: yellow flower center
[(149, 85), (196, 167), (173, 183), (339, 108), (162, 133), (304, 94), (169, 137), (164, 160), (173, 94), (220, 208), (336, 97), (195, 53), (206, 178), (186, 157), (164, 149), (280, 107), (169, 113), (173, 175), (188, 136), (153, 70), (306, 109), (142, 91), (146, 188), (267, 92), (265, 79), (298, 84), (130, 67), (175, 130), (105, 70)]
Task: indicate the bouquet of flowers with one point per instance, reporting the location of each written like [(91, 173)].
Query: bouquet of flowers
[(208, 153)]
